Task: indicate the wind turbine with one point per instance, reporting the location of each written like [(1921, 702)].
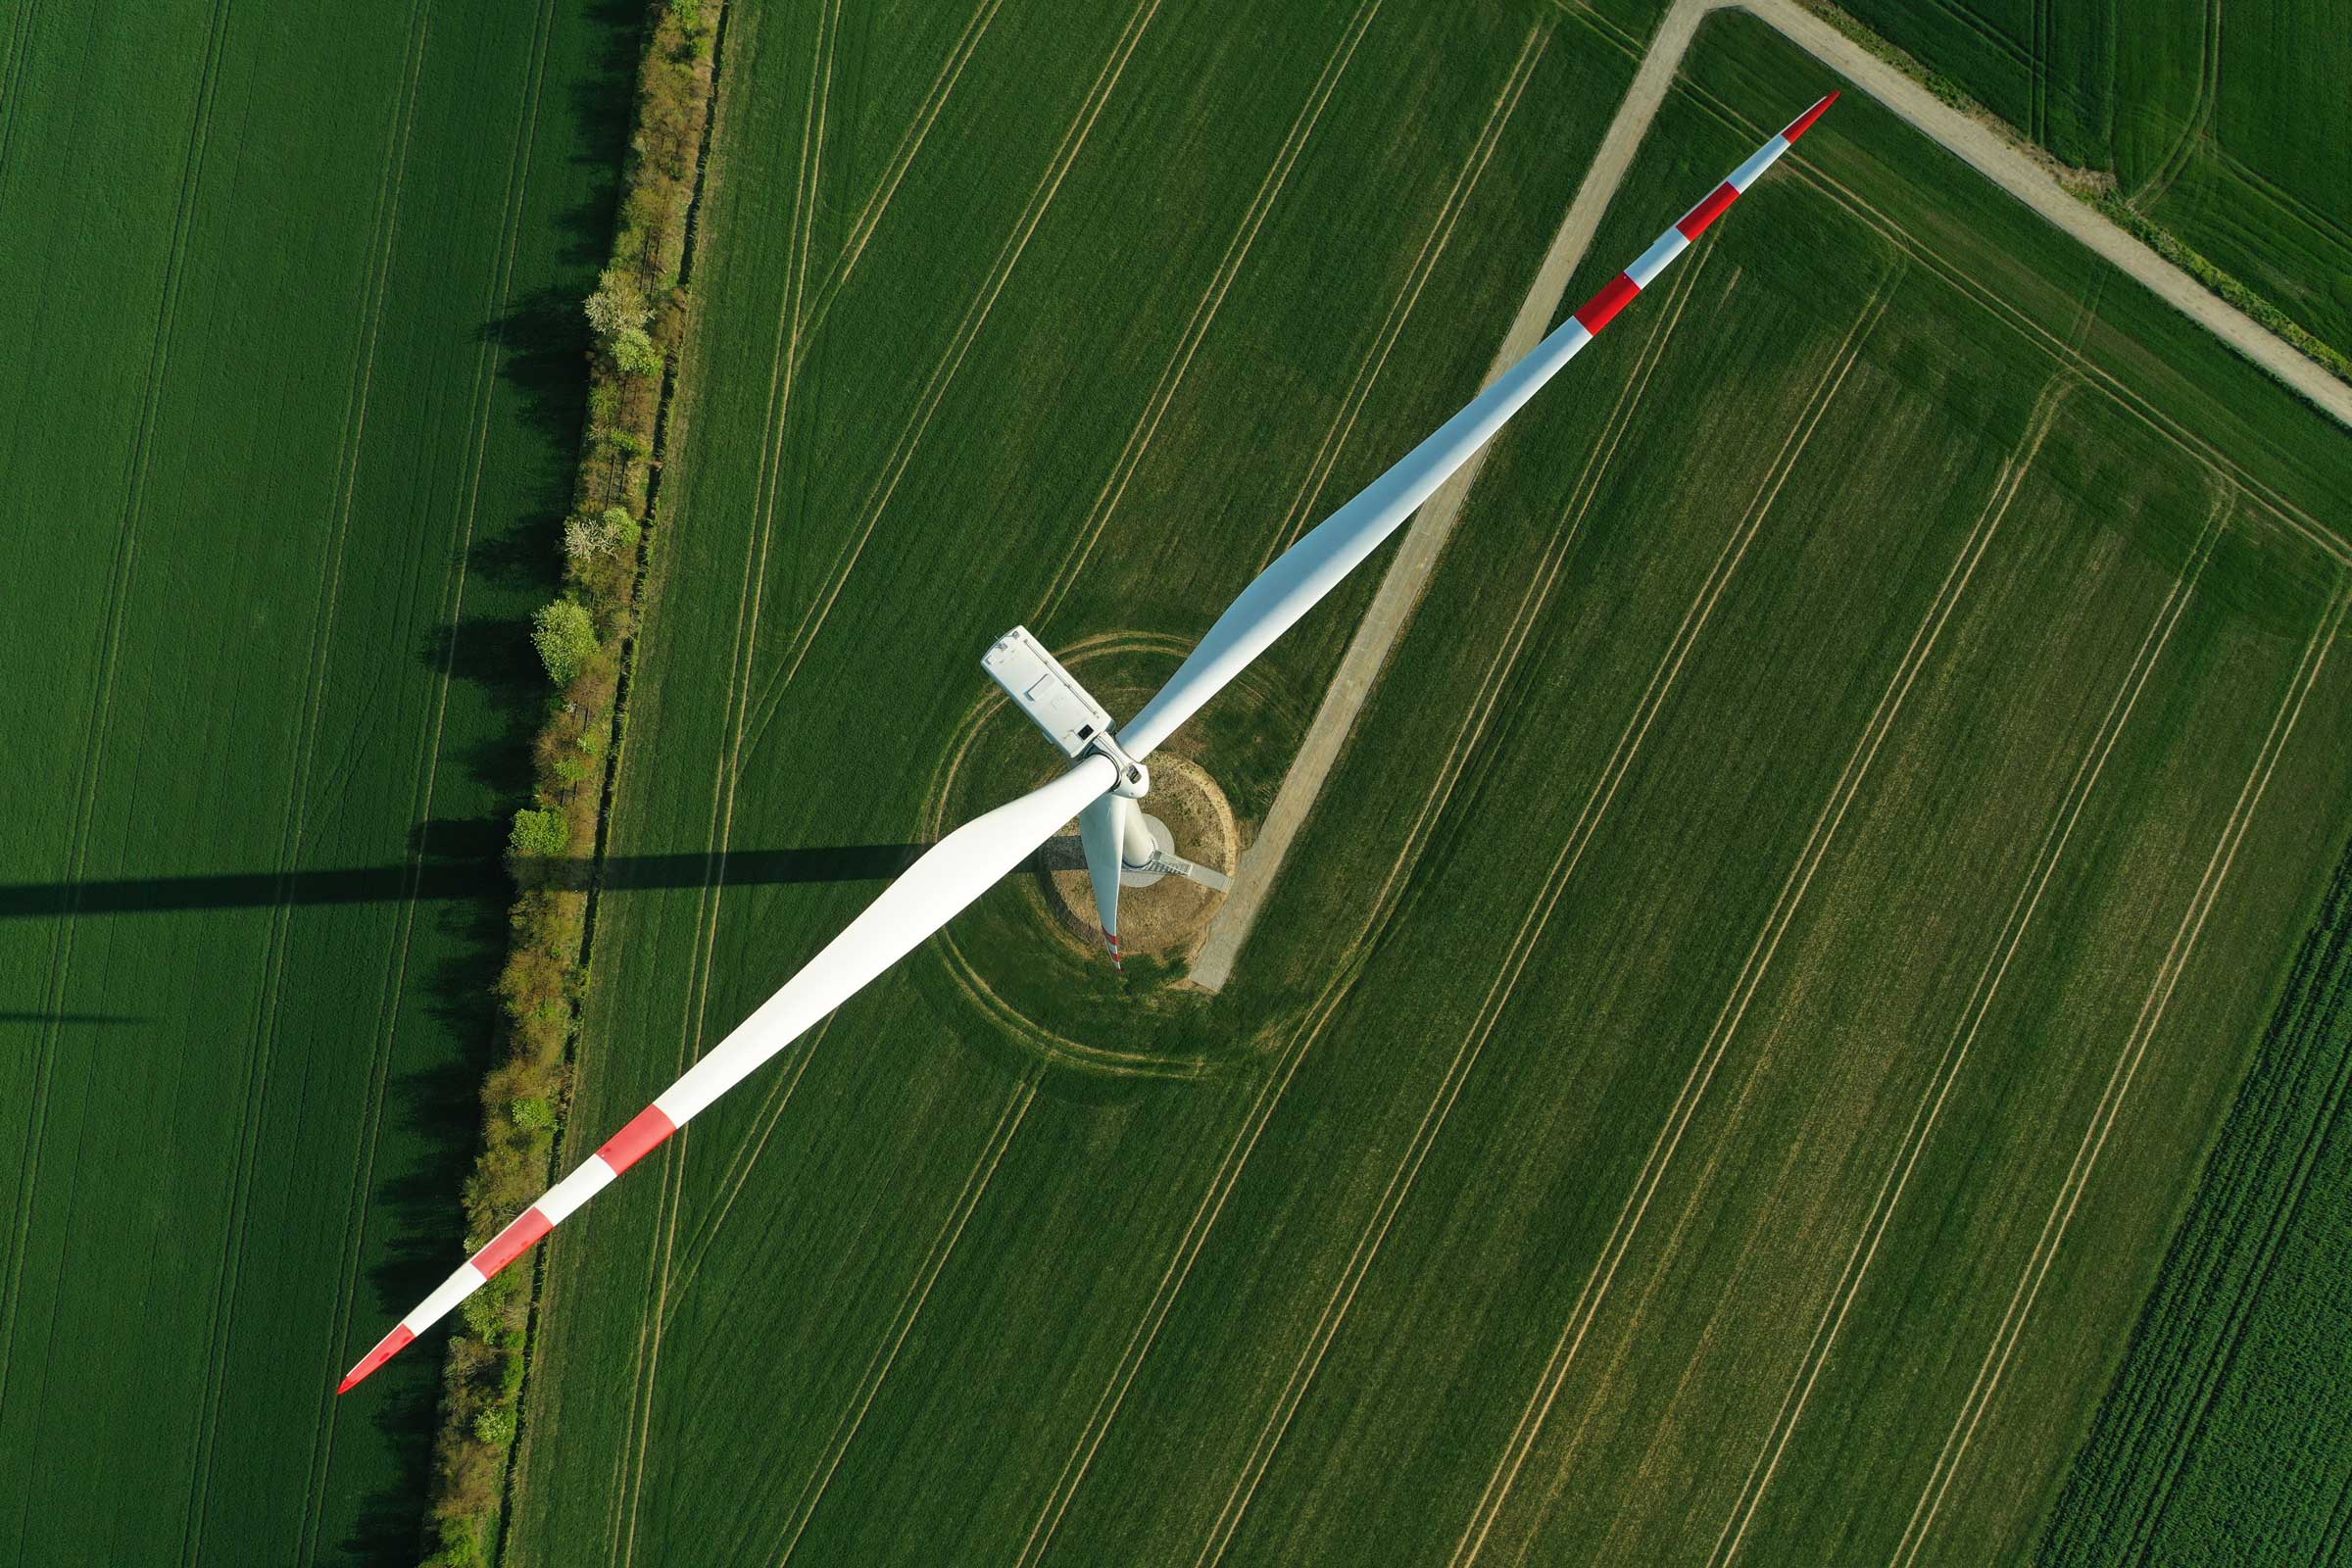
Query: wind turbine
[(1108, 772)]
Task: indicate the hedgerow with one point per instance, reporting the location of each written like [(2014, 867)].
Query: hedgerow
[(585, 639)]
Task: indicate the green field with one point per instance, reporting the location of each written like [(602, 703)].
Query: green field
[(1719, 1071), (2225, 1437), (2226, 124), (288, 299)]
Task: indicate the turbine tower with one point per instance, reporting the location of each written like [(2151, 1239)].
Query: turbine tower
[(1109, 775)]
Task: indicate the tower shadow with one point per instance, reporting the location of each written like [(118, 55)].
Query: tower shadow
[(456, 878)]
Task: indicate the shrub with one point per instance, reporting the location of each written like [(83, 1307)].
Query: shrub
[(538, 835), (618, 306), (610, 532), (496, 1425), (566, 639), (637, 312), (634, 353)]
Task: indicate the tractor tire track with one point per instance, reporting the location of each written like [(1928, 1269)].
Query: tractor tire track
[(870, 217), (20, 50), (621, 1533), (1382, 904), (1399, 595), (747, 1156), (2118, 1085), (1400, 310), (1523, 942), (1923, 1116), (911, 1307), (100, 725), (264, 1029), (943, 373), (1552, 1380), (1383, 907), (451, 612), (1204, 312)]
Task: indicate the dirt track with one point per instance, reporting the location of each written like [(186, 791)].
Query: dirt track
[(1979, 146)]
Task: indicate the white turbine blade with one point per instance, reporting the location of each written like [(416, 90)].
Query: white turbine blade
[(1101, 828), (1313, 566), (951, 874)]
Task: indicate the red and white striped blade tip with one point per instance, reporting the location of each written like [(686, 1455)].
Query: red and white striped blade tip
[(1804, 121), (390, 1346)]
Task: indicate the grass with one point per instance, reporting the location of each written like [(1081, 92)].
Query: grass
[(2222, 1439), (2229, 131), (1721, 1068), (292, 409)]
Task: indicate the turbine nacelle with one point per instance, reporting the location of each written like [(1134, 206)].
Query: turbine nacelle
[(1116, 836), (1057, 704)]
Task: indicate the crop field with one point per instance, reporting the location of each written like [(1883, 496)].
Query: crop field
[(2225, 1437), (1719, 1071), (2229, 124), (290, 415)]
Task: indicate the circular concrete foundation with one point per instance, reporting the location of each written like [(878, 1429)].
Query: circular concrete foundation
[(1189, 816)]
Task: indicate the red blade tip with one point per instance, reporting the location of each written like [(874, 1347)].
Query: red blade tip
[(1804, 121), (390, 1346)]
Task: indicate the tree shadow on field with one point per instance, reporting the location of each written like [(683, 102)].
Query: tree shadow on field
[(493, 654), (603, 117), (431, 1123)]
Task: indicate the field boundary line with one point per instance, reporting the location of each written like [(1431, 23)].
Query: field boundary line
[(629, 1481), (901, 159), (1929, 1108), (1994, 157), (1408, 294), (910, 1306), (1237, 251), (121, 572), (2211, 1378), (944, 372), (2118, 1083), (1553, 1379), (1524, 941)]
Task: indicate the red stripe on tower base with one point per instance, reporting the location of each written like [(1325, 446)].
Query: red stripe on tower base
[(1607, 302), (634, 1142), (1695, 222), (512, 1241), (390, 1346), (1804, 121)]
